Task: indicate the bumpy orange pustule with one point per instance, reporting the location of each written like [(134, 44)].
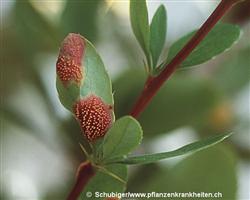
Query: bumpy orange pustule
[(94, 117), (69, 64)]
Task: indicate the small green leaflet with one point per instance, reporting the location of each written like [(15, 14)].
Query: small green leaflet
[(140, 25), (220, 38), (158, 30), (123, 137), (190, 148)]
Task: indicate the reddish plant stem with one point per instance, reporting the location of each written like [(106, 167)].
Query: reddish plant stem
[(84, 173), (153, 84)]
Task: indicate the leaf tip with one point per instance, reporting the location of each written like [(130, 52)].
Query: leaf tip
[(162, 8), (227, 135), (69, 63)]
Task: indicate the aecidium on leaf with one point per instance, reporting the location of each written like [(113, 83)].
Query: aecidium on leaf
[(84, 86)]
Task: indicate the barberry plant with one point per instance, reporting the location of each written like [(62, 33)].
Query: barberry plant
[(84, 88)]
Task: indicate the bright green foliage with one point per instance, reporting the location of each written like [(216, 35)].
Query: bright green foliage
[(158, 28), (218, 40), (123, 137)]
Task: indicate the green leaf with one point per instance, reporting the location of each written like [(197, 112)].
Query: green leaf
[(218, 40), (123, 137), (190, 148), (158, 33), (67, 95), (211, 170), (95, 81), (104, 181), (140, 25)]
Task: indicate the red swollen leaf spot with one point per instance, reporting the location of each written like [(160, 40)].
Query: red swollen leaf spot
[(69, 63), (94, 117)]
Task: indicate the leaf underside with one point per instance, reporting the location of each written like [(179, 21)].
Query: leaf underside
[(190, 148)]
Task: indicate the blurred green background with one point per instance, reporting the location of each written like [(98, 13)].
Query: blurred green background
[(39, 138)]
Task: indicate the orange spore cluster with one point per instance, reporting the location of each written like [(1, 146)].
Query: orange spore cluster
[(69, 63), (68, 70), (94, 117)]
